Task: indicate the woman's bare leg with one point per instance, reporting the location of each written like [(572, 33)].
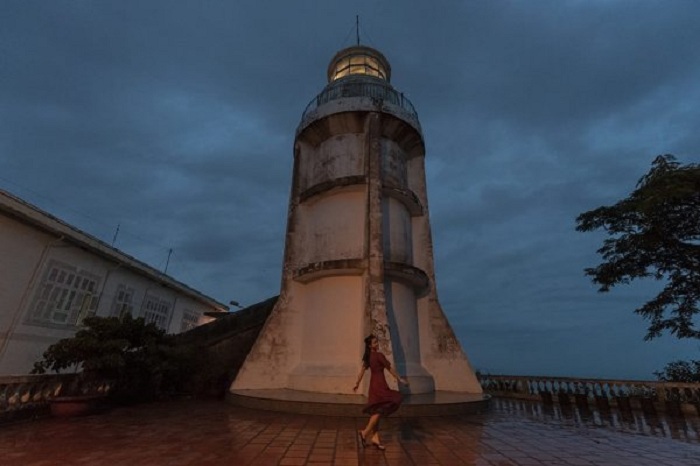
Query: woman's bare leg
[(374, 440), (371, 428)]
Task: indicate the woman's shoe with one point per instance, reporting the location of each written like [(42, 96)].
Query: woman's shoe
[(378, 446), (362, 438)]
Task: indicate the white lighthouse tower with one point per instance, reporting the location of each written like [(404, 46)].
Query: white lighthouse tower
[(358, 255)]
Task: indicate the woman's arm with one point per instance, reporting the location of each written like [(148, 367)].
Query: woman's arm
[(387, 366), (359, 377), (396, 376)]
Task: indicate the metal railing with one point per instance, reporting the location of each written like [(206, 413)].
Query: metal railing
[(379, 91), (650, 396)]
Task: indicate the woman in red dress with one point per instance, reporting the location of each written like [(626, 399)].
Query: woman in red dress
[(382, 401)]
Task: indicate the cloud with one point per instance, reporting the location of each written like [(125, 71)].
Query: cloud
[(175, 121)]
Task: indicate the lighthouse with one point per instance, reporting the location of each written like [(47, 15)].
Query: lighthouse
[(358, 253)]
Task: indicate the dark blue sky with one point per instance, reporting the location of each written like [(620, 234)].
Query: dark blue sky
[(175, 120)]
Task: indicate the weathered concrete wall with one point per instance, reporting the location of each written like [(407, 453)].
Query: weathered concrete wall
[(336, 157), (277, 349), (332, 227), (403, 318), (358, 255), (393, 164), (332, 328), (398, 238), (226, 343)]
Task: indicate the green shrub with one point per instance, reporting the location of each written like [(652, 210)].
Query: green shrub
[(680, 371), (130, 353)]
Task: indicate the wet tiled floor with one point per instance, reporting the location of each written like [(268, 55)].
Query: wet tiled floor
[(215, 433)]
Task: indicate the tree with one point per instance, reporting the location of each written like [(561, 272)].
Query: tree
[(680, 371), (655, 233), (105, 345), (141, 361), (137, 357)]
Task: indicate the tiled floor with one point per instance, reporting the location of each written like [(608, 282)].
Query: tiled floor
[(214, 433)]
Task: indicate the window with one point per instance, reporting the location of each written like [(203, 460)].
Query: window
[(358, 64), (65, 296), (190, 319), (122, 303), (157, 311)]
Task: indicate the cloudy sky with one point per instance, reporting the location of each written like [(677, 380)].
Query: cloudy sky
[(175, 121)]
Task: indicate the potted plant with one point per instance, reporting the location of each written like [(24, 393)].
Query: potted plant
[(120, 358)]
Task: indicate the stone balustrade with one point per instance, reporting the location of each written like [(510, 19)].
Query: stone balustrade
[(26, 396), (649, 396)]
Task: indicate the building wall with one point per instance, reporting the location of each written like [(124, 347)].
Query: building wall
[(397, 229), (333, 227), (358, 258), (16, 269), (339, 156), (330, 332), (48, 285), (393, 163)]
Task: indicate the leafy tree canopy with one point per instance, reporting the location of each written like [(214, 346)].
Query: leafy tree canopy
[(105, 345), (680, 371), (655, 233)]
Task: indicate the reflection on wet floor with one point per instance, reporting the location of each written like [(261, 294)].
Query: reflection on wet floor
[(685, 427), (202, 433)]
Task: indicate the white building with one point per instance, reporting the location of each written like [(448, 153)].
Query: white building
[(53, 275)]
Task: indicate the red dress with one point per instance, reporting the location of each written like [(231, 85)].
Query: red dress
[(381, 399)]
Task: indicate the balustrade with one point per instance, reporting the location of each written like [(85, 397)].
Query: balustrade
[(673, 397), (29, 395)]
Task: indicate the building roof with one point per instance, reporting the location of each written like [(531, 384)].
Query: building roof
[(29, 214)]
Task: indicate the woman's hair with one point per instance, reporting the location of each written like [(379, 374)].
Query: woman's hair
[(365, 357)]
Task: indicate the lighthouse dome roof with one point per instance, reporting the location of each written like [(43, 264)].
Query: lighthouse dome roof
[(359, 60)]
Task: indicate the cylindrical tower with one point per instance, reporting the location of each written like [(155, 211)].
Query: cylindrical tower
[(358, 253)]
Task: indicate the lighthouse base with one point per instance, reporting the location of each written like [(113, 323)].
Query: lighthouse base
[(438, 403)]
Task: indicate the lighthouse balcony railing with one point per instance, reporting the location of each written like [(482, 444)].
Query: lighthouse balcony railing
[(349, 87)]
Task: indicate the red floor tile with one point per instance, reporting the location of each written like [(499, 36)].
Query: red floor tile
[(201, 433)]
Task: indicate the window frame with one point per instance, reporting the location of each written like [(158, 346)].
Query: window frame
[(65, 296)]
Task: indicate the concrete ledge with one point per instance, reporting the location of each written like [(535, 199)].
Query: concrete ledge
[(407, 197), (324, 404), (407, 273), (325, 186)]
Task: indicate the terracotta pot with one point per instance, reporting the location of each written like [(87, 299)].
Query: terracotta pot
[(69, 406)]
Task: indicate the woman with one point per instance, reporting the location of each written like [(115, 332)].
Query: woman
[(382, 400)]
